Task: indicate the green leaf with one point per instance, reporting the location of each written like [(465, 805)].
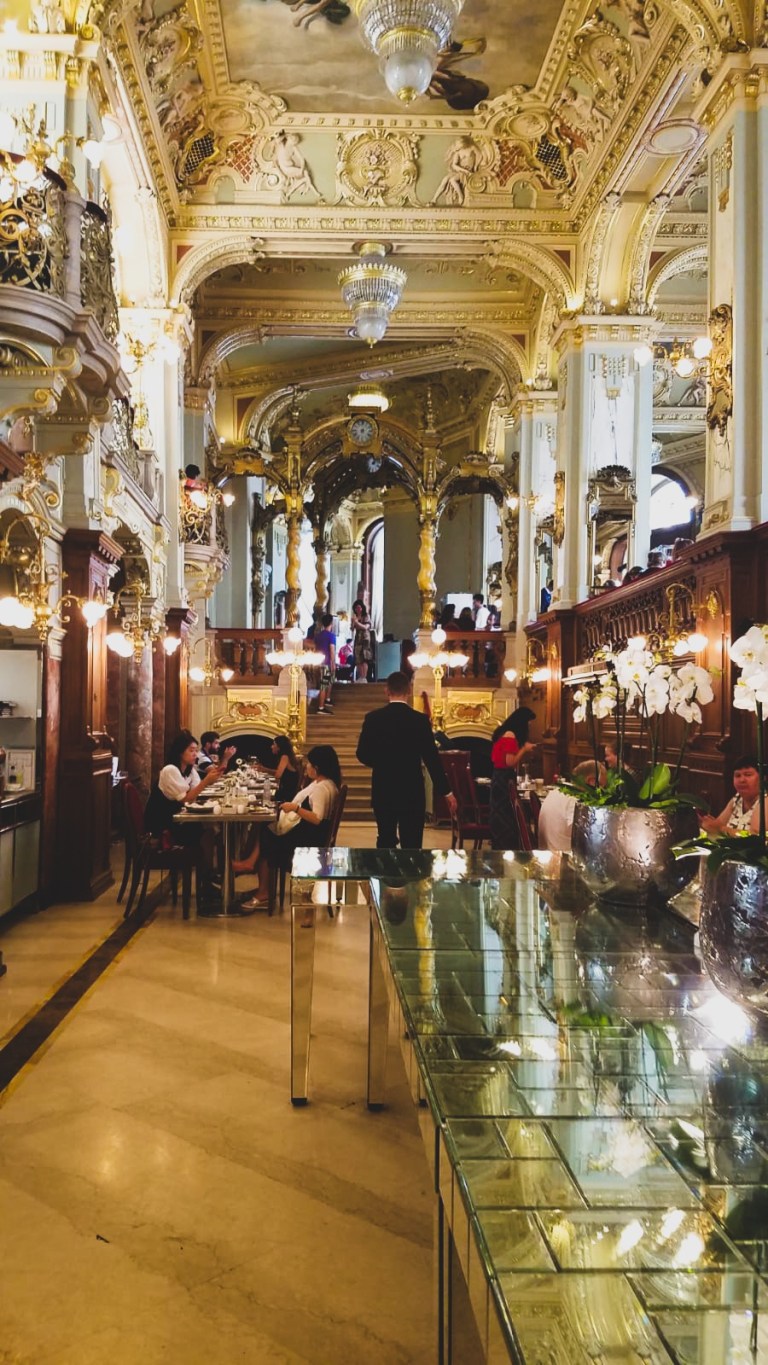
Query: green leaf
[(657, 783)]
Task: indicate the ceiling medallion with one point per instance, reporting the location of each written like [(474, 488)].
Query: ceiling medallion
[(407, 36), (372, 289), (673, 137)]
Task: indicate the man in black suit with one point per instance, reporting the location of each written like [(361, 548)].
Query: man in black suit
[(395, 740)]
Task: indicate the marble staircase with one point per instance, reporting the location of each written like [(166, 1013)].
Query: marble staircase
[(351, 703)]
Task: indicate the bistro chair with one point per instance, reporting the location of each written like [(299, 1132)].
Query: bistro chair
[(278, 875), (152, 856), (133, 832)]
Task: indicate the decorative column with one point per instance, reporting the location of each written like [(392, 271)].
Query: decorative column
[(294, 509), (605, 416), (261, 518), (321, 575), (427, 543), (85, 759), (735, 111)]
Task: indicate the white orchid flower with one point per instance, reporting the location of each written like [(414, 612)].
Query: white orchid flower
[(656, 697), (751, 648), (579, 714), (603, 704), (689, 710), (744, 698)]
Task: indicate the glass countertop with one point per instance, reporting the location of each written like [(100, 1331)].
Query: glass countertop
[(408, 865), (603, 1111)]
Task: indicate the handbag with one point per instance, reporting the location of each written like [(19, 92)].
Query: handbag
[(286, 821)]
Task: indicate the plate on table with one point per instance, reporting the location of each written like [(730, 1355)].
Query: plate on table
[(200, 807)]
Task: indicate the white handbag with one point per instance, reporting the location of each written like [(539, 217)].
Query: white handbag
[(287, 820)]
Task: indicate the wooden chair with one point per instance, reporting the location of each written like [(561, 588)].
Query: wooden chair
[(469, 822), (534, 805), (278, 875), (151, 856), (522, 820)]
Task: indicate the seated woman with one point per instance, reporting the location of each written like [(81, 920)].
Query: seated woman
[(510, 747), (742, 811), (314, 807), (178, 784), (466, 621), (612, 757), (287, 775)]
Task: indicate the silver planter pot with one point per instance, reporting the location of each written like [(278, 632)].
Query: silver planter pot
[(733, 931), (625, 856)]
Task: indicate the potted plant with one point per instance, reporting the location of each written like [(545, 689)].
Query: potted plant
[(733, 927), (624, 831)]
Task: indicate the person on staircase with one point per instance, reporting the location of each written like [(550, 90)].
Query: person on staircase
[(325, 642), (394, 742), (362, 641)]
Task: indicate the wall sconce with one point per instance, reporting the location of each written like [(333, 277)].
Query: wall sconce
[(130, 635), (171, 643), (515, 501), (678, 634), (209, 671), (25, 583), (536, 669)]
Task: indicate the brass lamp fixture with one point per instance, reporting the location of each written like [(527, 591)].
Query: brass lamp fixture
[(295, 658), (369, 398), (536, 668), (441, 662), (687, 358), (408, 37), (26, 582), (678, 633), (131, 633), (372, 289), (209, 671)]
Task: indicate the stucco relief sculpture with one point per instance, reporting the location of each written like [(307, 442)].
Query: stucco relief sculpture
[(284, 168), (465, 161), (377, 168), (720, 406), (47, 17)]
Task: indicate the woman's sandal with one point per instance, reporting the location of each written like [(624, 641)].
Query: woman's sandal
[(253, 903)]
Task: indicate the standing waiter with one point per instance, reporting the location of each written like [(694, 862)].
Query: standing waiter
[(395, 740)]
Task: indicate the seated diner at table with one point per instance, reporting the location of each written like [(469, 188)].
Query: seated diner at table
[(313, 809), (179, 784), (743, 810), (509, 747), (287, 775)]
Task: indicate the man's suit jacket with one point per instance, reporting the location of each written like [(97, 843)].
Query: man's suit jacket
[(395, 740)]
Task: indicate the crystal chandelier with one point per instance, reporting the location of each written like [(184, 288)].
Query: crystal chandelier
[(408, 36), (372, 289)]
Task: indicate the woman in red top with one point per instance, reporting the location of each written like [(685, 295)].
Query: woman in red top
[(510, 747)]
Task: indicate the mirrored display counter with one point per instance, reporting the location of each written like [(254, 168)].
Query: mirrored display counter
[(595, 1114)]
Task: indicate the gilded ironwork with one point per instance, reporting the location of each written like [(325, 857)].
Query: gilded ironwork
[(33, 243), (558, 522), (96, 266), (122, 443)]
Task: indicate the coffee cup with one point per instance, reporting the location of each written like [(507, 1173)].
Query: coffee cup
[(241, 807)]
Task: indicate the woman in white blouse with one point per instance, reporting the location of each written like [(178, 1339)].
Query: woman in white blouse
[(314, 806), (179, 783)]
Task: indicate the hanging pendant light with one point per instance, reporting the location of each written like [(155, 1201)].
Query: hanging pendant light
[(407, 36), (372, 289)]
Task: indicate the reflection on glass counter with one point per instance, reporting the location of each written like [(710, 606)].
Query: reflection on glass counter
[(602, 1111)]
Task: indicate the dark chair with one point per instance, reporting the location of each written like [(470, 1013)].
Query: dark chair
[(470, 821), (152, 856), (133, 832), (278, 875), (534, 805), (526, 843)]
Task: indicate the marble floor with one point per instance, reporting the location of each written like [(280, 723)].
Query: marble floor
[(161, 1200)]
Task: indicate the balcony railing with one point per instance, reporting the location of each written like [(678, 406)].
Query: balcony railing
[(485, 651), (246, 652), (96, 264), (33, 238)]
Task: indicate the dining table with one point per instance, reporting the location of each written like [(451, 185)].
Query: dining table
[(214, 812)]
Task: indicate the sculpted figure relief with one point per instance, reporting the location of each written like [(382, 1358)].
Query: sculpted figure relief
[(46, 17), (464, 159), (290, 165)]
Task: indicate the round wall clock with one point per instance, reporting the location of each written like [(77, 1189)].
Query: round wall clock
[(362, 431)]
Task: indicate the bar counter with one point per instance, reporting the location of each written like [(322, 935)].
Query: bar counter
[(594, 1111)]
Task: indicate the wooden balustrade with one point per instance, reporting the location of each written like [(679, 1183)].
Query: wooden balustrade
[(246, 652), (485, 651)]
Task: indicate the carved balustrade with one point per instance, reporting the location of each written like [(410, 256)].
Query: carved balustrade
[(246, 652), (96, 266), (485, 651)]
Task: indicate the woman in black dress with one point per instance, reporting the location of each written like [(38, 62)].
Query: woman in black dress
[(314, 807), (287, 775)]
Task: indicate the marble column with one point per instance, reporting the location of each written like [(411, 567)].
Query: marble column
[(734, 109), (138, 720), (159, 665), (605, 417), (85, 759)]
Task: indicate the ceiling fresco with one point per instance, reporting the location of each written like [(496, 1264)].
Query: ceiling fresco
[(310, 53)]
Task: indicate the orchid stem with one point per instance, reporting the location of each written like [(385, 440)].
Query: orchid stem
[(761, 772)]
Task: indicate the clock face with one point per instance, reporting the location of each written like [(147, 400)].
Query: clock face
[(362, 430)]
